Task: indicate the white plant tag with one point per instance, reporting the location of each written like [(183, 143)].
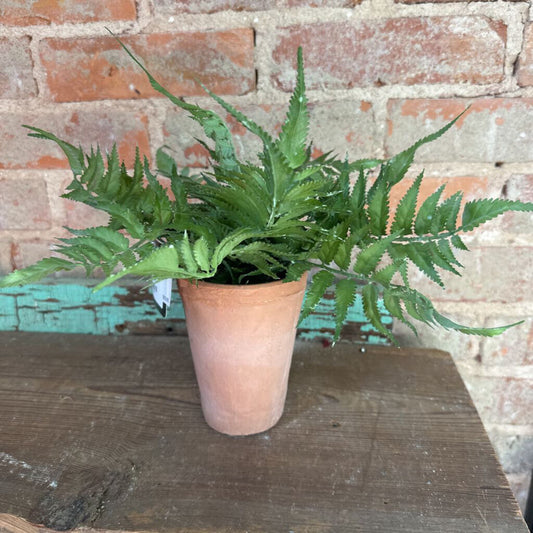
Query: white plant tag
[(162, 291)]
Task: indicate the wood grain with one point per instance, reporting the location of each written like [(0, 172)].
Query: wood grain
[(107, 433)]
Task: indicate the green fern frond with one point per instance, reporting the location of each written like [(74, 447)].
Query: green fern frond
[(426, 213), (477, 212), (345, 292), (293, 137), (36, 272), (405, 212), (320, 282)]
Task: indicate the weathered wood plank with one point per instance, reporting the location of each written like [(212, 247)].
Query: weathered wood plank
[(106, 432)]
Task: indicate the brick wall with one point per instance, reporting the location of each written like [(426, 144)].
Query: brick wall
[(380, 73)]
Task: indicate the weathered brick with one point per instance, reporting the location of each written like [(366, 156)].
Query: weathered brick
[(486, 276), (80, 216), (82, 127), (492, 130), (501, 400), (525, 62), (343, 126), (24, 204), (513, 348), (519, 187), (393, 51), (5, 257), (16, 13), (27, 252), (16, 69), (97, 68), (169, 7)]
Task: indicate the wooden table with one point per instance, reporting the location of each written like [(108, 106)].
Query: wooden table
[(107, 433)]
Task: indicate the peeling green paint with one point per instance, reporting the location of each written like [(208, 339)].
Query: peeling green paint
[(75, 308)]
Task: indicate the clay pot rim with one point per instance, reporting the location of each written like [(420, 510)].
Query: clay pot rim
[(227, 286)]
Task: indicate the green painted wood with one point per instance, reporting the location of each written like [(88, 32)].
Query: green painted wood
[(73, 307)]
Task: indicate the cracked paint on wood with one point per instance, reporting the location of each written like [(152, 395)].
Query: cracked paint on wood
[(75, 308)]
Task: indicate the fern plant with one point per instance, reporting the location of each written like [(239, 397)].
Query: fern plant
[(243, 223)]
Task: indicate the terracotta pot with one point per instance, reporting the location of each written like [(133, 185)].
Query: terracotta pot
[(242, 339)]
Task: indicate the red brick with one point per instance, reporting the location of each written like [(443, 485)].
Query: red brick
[(24, 204), (16, 13), (97, 68), (393, 51), (82, 127), (492, 130), (525, 63), (16, 69), (342, 126)]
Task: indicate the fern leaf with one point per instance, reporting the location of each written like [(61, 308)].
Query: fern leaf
[(296, 270), (293, 136), (477, 212), (467, 330), (36, 272), (74, 155), (395, 169), (201, 253), (378, 209), (214, 127), (368, 259), (320, 282), (458, 243), (427, 211), (418, 254), (446, 251), (370, 295), (160, 264), (447, 212), (405, 212), (345, 291)]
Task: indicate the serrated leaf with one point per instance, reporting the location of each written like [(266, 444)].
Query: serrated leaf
[(405, 212), (446, 250), (368, 258), (421, 258), (186, 253), (477, 212), (201, 253), (378, 209), (296, 270), (36, 272), (467, 330), (162, 263), (370, 295), (458, 243), (293, 136), (345, 291), (427, 211), (74, 155), (320, 282)]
